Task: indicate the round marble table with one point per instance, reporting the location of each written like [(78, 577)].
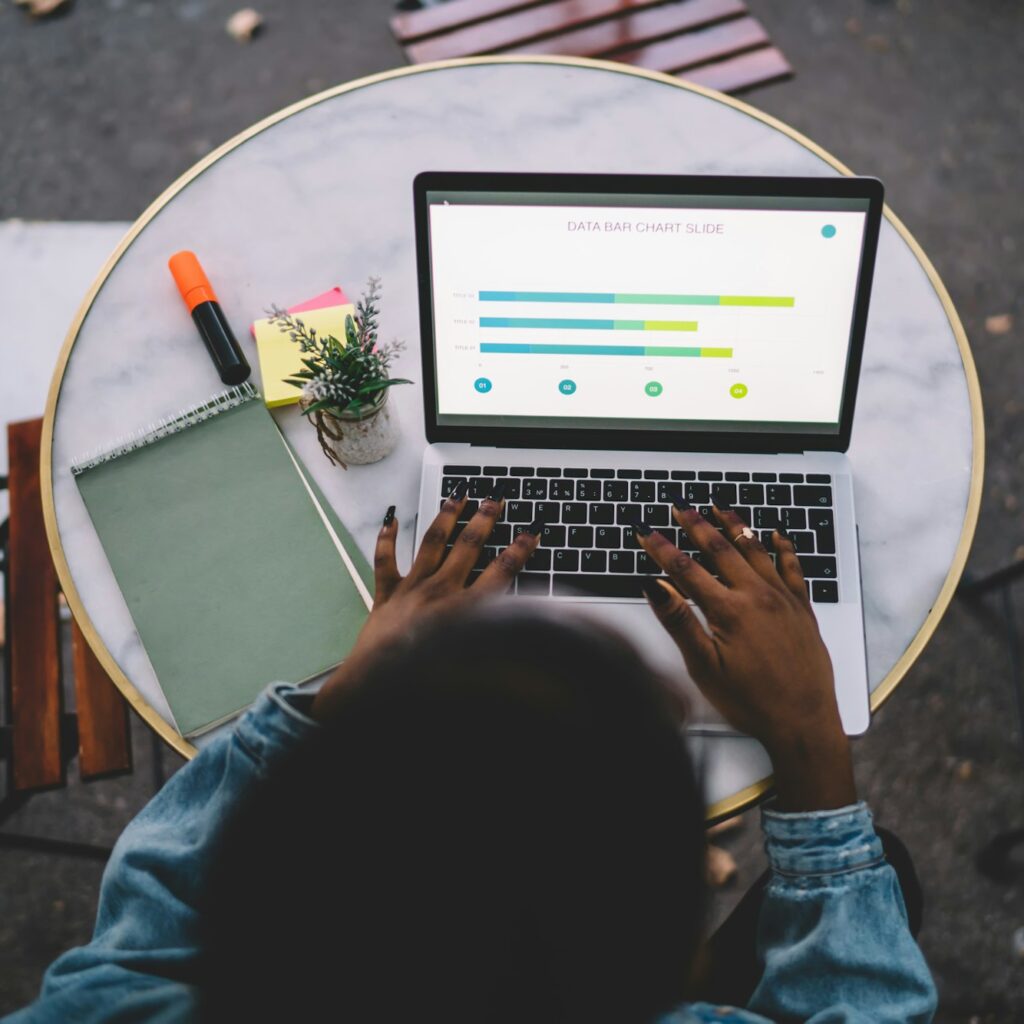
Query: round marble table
[(321, 194)]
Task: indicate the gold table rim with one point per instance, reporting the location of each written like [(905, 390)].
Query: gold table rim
[(732, 804)]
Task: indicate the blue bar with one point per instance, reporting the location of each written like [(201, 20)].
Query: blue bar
[(547, 296), (564, 350), (547, 322)]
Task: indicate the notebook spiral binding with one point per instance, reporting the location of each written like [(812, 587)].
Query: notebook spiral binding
[(182, 420)]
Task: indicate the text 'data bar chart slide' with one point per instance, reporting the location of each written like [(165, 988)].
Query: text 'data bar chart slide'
[(727, 318)]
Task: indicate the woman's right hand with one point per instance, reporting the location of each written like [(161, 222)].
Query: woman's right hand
[(761, 660)]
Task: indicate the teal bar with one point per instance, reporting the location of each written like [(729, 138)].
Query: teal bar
[(668, 300), (563, 350), (546, 297), (548, 322)]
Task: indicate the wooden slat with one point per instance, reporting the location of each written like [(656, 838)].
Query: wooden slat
[(693, 48), (632, 29), (35, 662), (742, 72), (411, 25), (104, 742), (520, 27)]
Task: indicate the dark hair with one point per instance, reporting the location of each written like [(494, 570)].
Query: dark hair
[(500, 823)]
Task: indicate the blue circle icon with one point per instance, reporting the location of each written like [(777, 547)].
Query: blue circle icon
[(483, 385), (567, 387), (828, 230)]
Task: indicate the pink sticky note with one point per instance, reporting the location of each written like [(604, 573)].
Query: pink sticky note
[(334, 297)]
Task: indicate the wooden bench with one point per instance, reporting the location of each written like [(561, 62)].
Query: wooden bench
[(715, 43), (38, 737)]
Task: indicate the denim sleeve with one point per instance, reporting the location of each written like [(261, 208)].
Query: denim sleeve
[(141, 962), (833, 932)]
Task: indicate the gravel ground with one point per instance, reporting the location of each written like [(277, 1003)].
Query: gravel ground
[(103, 107)]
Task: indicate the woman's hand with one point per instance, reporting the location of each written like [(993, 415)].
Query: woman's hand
[(761, 661), (434, 583)]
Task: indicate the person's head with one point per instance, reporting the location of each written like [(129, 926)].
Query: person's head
[(500, 823)]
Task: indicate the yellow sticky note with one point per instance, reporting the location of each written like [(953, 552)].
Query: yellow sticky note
[(280, 357)]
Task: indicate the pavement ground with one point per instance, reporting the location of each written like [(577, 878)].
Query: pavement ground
[(102, 108)]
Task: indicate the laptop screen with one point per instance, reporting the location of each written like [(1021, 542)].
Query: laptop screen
[(634, 312)]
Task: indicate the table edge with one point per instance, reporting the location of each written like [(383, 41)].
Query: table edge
[(727, 807)]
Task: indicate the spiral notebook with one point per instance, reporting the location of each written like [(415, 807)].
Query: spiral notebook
[(233, 567)]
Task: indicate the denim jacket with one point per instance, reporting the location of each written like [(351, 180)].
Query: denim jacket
[(832, 935)]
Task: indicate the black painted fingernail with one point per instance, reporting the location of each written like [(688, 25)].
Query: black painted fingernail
[(536, 528), (641, 527), (498, 491), (682, 504), (389, 516), (781, 531), (655, 592), (459, 490)]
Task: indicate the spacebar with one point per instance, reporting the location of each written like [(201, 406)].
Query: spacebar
[(591, 585)]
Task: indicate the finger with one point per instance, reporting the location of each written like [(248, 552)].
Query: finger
[(789, 567), (498, 576), (385, 565), (432, 547), (729, 563), (748, 544), (681, 623), (692, 579), (466, 550)]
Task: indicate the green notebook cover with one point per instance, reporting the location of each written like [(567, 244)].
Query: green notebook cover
[(231, 575)]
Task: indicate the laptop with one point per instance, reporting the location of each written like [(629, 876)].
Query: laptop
[(603, 343)]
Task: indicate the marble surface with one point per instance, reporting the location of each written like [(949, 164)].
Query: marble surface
[(324, 197)]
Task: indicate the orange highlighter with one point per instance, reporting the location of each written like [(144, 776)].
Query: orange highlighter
[(214, 329)]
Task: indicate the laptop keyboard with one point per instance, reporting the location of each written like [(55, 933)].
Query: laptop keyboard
[(588, 546)]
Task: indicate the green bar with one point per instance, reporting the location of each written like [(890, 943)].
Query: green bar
[(755, 300), (670, 325), (716, 353), (666, 300), (656, 350)]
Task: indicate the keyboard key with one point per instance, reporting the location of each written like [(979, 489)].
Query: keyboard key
[(547, 511), (616, 490), (709, 474), (448, 484), (628, 515), (820, 518), (683, 474), (574, 512), (812, 495), (621, 561), (574, 472), (513, 486), (608, 537), (583, 536), (495, 470), (743, 512), (724, 491), (597, 586), (521, 471), (646, 564), (629, 474), (763, 478), (803, 541), (791, 478), (825, 591), (697, 494), (594, 561), (519, 511), (766, 518), (670, 491), (656, 515), (553, 536), (548, 471), (821, 523), (629, 539), (533, 583), (535, 488), (641, 490), (793, 518), (480, 486), (539, 561), (655, 474), (602, 514), (461, 470), (566, 561), (602, 474), (751, 494), (779, 494), (820, 566), (819, 478), (588, 490), (562, 490), (737, 477), (708, 513), (501, 535), (469, 510)]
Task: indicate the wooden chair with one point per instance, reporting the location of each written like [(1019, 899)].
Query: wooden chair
[(38, 737), (715, 43)]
